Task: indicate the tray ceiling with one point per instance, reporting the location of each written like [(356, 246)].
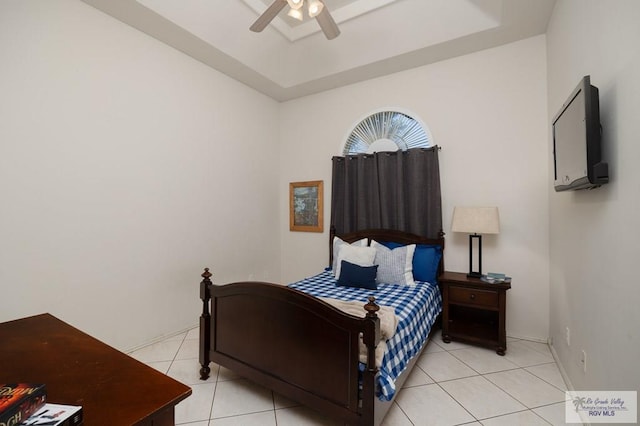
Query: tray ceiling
[(288, 60)]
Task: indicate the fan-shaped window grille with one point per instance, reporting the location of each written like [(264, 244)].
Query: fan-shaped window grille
[(387, 131)]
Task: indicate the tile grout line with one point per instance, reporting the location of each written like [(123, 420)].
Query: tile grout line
[(497, 386)]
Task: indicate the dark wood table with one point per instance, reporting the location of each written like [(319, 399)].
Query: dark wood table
[(474, 311), (112, 388)]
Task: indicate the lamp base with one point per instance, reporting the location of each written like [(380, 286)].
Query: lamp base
[(477, 273)]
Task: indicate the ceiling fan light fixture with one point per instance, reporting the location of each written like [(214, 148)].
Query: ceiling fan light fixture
[(296, 14), (295, 4), (315, 7)]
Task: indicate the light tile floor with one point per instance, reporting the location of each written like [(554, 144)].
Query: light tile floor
[(452, 384)]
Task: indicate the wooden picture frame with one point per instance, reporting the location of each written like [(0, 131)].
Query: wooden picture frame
[(305, 206)]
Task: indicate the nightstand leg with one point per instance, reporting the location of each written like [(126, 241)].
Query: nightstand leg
[(500, 351)]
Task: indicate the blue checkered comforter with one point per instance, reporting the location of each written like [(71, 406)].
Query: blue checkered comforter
[(416, 308)]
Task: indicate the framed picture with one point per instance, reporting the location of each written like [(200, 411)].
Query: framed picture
[(305, 205)]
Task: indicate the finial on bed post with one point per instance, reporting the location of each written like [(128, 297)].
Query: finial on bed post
[(205, 324), (332, 234), (372, 307), (206, 274), (204, 288)]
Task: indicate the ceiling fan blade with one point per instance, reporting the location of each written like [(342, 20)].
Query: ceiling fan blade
[(327, 24), (268, 15)]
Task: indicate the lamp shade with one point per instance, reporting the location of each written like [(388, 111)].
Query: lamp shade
[(295, 4), (296, 14), (315, 7), (475, 220)]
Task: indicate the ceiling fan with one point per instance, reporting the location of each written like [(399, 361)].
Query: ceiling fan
[(315, 8)]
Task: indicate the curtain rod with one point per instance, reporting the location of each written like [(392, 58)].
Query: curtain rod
[(439, 148)]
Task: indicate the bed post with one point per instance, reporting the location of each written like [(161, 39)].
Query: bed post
[(205, 325), (441, 235), (371, 337), (332, 233)]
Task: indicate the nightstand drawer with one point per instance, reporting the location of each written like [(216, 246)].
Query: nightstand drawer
[(471, 296)]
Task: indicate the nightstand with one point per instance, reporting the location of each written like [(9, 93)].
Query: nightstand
[(473, 311)]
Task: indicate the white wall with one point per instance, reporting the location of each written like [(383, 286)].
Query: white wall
[(488, 112), (594, 234), (125, 168)]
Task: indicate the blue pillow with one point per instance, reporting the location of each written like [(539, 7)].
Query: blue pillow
[(426, 259), (352, 275)]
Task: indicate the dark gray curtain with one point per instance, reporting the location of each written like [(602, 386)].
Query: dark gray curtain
[(391, 190)]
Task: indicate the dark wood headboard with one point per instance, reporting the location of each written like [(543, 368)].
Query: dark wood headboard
[(387, 235)]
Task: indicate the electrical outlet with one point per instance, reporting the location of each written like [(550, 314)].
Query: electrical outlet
[(584, 361), (568, 336)]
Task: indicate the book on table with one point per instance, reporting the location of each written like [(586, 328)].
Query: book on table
[(494, 277), (56, 415), (18, 401)]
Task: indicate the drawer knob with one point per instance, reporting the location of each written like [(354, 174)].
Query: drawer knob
[(472, 297)]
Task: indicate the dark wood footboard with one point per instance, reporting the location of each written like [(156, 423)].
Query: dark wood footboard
[(296, 344), (292, 343)]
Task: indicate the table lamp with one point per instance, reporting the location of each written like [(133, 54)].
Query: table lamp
[(475, 221)]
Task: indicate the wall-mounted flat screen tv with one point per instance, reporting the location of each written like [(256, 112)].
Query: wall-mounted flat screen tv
[(577, 135)]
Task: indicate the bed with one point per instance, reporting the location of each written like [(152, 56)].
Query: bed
[(305, 348)]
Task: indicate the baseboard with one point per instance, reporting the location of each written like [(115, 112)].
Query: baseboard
[(159, 339), (563, 373), (532, 339)]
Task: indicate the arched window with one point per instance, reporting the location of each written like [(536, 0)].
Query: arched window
[(387, 131)]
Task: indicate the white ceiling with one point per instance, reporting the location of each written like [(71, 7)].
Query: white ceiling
[(287, 60)]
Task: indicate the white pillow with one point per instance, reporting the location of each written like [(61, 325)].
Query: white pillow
[(394, 266), (338, 243), (361, 256)]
